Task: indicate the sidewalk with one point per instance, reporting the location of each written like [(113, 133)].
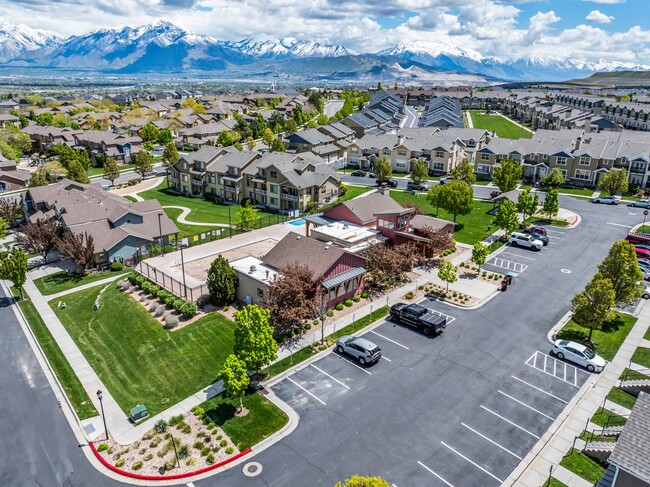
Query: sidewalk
[(556, 442)]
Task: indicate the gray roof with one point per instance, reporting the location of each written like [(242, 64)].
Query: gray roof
[(366, 207), (306, 251), (632, 450), (345, 276)]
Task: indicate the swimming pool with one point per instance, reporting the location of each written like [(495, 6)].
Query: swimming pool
[(297, 223)]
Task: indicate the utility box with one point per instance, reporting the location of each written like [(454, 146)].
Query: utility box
[(139, 412)]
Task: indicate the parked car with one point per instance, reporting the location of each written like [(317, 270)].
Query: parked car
[(359, 173), (494, 194), (538, 229), (418, 317), (607, 200), (646, 292), (365, 351), (537, 235), (644, 262), (391, 182), (522, 240), (637, 238), (642, 246), (412, 186), (640, 203), (445, 180), (578, 354), (646, 272), (642, 253)]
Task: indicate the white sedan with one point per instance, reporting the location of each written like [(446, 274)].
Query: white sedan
[(578, 354), (607, 200)]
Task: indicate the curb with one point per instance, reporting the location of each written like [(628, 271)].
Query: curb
[(162, 477), (558, 326)]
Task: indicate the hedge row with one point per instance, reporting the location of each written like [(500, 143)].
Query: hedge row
[(187, 308)]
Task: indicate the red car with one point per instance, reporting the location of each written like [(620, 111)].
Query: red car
[(538, 229), (642, 253), (494, 194)]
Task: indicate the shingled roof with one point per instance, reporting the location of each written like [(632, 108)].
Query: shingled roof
[(632, 450), (305, 251)]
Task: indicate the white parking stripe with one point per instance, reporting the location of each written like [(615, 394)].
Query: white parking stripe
[(294, 382), (517, 255), (508, 421), (431, 471), (552, 230), (352, 363), (491, 441), (526, 405), (448, 317), (619, 225), (539, 389), (507, 264), (383, 357), (475, 464), (559, 375), (333, 378), (392, 341)]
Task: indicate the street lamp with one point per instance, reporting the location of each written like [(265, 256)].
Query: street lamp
[(101, 405), (229, 223), (162, 246)]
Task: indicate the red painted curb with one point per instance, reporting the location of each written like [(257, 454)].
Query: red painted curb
[(164, 477)]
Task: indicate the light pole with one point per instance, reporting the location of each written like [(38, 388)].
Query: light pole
[(183, 271), (101, 405), (162, 245)]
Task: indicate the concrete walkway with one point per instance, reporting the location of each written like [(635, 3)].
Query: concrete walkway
[(556, 442), (468, 117), (101, 282)]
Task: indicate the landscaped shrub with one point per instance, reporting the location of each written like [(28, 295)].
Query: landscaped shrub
[(356, 298), (137, 466), (219, 438), (364, 295), (119, 463), (160, 310), (170, 464), (102, 447), (154, 290), (170, 300), (187, 429), (175, 420), (348, 302), (153, 306), (178, 305), (133, 277), (330, 312), (339, 307), (199, 445), (189, 309), (210, 459), (160, 426), (148, 457), (143, 298), (409, 295), (224, 443), (205, 451), (315, 322), (171, 322), (308, 326), (117, 266), (183, 451), (229, 450)]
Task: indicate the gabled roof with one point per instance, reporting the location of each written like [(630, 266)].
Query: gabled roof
[(306, 251), (366, 207), (632, 449)]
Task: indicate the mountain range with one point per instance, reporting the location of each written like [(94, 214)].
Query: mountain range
[(165, 48)]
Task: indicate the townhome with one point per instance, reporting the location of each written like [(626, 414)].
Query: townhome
[(188, 175), (12, 178), (197, 137), (225, 174), (7, 119), (45, 137), (442, 112), (316, 142), (288, 105), (119, 147), (384, 113)]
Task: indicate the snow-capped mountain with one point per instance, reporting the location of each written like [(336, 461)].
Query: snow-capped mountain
[(430, 50), (285, 48), (18, 39)]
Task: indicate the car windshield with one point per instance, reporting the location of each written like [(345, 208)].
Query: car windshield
[(589, 353)]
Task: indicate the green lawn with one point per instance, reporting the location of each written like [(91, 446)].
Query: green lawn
[(621, 398), (183, 228), (587, 436), (68, 379), (475, 225), (629, 374), (647, 334), (605, 416), (304, 353), (494, 122), (643, 229), (139, 361), (96, 171), (62, 281), (582, 465), (576, 191), (484, 182), (642, 357), (606, 341), (130, 198), (553, 482), (202, 210), (263, 418), (352, 192)]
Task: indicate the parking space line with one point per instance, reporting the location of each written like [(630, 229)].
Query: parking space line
[(470, 461), (539, 389), (508, 421), (448, 317), (294, 382), (517, 255), (564, 372), (526, 405), (559, 375), (333, 378), (575, 377), (507, 264), (383, 357), (619, 225), (431, 471), (552, 230), (352, 363), (392, 341), (491, 441)]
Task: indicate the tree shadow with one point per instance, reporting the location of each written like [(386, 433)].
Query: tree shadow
[(573, 335), (613, 326), (221, 413)]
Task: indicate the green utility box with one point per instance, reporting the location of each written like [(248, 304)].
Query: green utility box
[(139, 412)]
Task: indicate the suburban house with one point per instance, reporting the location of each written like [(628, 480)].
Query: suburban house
[(203, 134), (45, 137), (7, 119), (318, 142), (12, 178), (120, 229), (119, 147)]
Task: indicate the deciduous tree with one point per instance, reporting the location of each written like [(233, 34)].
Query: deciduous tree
[(527, 204), (235, 378), (457, 198), (143, 162), (622, 269), (111, 170), (222, 282), (13, 267), (149, 132), (551, 203), (39, 237), (277, 145), (554, 178), (593, 307), (79, 247), (383, 170), (38, 178), (268, 137), (434, 196), (384, 267), (480, 252), (508, 175), (10, 210), (420, 172), (254, 342), (291, 298), (248, 217), (506, 219), (447, 272), (439, 240), (464, 172), (614, 182)]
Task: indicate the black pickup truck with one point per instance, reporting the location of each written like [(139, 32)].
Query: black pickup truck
[(418, 317)]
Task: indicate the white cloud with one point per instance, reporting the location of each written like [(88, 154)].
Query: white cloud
[(606, 2), (598, 17)]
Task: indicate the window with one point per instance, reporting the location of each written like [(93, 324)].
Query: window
[(623, 160), (485, 157), (585, 160), (483, 168), (184, 178), (274, 201), (440, 154), (386, 152), (401, 152), (385, 223), (274, 188), (260, 293), (400, 165), (354, 150), (213, 180), (583, 174), (563, 171), (438, 166), (544, 157), (606, 162), (185, 165), (560, 161), (274, 174)]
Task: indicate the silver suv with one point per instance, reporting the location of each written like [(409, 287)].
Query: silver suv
[(365, 351), (524, 240)]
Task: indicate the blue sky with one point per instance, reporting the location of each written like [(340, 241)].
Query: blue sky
[(597, 31)]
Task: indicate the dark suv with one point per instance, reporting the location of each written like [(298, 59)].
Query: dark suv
[(391, 182)]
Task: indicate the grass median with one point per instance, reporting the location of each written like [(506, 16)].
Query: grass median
[(304, 353), (495, 122), (607, 340), (68, 379), (62, 281), (642, 357)]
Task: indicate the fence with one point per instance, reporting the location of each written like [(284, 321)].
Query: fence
[(173, 285)]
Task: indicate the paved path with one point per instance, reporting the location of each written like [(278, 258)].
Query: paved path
[(557, 440), (186, 211), (137, 188), (101, 282), (468, 117)]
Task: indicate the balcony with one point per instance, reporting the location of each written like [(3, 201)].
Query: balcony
[(289, 197), (260, 191), (198, 182), (231, 189), (173, 178)]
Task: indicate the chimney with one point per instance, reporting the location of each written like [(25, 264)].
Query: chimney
[(298, 237), (400, 139), (267, 274)]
